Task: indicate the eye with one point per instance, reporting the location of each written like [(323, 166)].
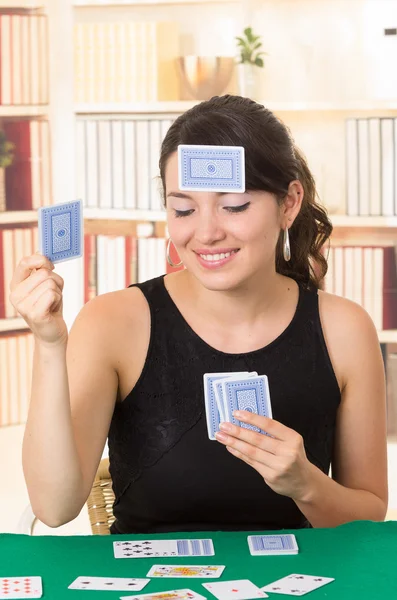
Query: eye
[(183, 213), (237, 209)]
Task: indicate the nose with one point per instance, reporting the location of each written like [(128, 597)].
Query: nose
[(209, 229)]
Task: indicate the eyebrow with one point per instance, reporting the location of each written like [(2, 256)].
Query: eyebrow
[(186, 196)]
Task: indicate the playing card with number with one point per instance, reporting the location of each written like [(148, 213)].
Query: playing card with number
[(297, 585), (168, 548), (213, 408), (239, 589), (120, 584), (191, 571), (272, 545), (21, 587), (184, 594), (61, 231), (250, 394), (211, 168)]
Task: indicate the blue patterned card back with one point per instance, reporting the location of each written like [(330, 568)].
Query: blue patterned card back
[(61, 231), (251, 394), (273, 544), (211, 168)]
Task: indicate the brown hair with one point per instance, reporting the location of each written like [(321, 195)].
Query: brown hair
[(272, 161)]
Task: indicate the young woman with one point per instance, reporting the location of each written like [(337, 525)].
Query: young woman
[(131, 368)]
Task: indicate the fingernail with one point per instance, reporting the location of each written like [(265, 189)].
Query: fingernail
[(239, 415), (222, 437), (225, 426)]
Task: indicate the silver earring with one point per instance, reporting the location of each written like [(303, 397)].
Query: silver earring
[(169, 259), (286, 246)]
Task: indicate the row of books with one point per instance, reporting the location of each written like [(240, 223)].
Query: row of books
[(117, 162), (28, 178), (367, 275), (127, 61), (16, 362), (15, 243), (23, 59), (371, 166), (113, 263)]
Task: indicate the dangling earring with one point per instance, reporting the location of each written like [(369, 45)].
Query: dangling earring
[(169, 259), (286, 246)]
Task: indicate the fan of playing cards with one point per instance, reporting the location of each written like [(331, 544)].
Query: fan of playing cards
[(236, 589), (226, 392)]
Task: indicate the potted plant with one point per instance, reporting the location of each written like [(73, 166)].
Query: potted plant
[(6, 158), (250, 60)]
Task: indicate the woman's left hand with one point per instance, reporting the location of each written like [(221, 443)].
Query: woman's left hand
[(281, 459)]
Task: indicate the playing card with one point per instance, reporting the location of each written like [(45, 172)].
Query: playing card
[(121, 584), (155, 548), (262, 545), (212, 408), (61, 231), (239, 589), (250, 394), (191, 571), (20, 587), (218, 391), (211, 168), (184, 594), (296, 585)]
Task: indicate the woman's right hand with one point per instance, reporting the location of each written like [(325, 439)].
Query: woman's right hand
[(36, 293)]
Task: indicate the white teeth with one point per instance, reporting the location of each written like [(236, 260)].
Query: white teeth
[(211, 257)]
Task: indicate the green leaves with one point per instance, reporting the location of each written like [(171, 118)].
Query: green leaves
[(248, 46), (6, 151)]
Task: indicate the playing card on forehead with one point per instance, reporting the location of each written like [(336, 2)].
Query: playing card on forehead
[(168, 548), (297, 585), (273, 545), (249, 394), (211, 168), (184, 594), (121, 584), (61, 231), (20, 587), (191, 571)]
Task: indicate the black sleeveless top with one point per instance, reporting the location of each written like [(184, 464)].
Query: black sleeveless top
[(167, 475)]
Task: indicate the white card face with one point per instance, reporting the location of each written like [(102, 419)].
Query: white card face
[(120, 584), (297, 585), (21, 587), (190, 571), (239, 589), (184, 594), (159, 548)]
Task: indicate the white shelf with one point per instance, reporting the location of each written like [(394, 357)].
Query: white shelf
[(113, 3), (21, 5), (24, 111), (136, 108), (13, 324), (347, 221), (119, 214), (19, 216), (388, 337)]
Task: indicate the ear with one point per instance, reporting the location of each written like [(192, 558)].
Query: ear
[(292, 203)]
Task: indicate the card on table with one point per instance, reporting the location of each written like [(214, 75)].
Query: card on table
[(213, 408), (250, 394), (211, 168), (239, 589), (191, 571), (296, 585), (121, 584), (273, 545), (184, 594), (21, 587), (151, 548), (61, 231)]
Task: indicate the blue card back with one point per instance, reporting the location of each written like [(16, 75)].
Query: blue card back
[(61, 231), (250, 394), (211, 168), (272, 543)]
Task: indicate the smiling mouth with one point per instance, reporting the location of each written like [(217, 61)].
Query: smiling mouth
[(218, 256)]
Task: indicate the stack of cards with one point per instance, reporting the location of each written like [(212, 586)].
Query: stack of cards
[(166, 548), (226, 392), (272, 545)]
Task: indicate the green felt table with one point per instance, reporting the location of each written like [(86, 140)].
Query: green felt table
[(361, 556)]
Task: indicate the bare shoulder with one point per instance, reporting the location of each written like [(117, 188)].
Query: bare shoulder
[(349, 332)]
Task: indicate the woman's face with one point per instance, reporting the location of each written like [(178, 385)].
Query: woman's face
[(224, 239)]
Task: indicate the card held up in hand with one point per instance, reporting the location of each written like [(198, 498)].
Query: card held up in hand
[(61, 231)]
